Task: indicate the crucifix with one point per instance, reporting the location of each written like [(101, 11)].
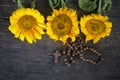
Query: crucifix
[(56, 54)]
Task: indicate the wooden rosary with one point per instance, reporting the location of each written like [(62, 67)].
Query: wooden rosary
[(77, 49)]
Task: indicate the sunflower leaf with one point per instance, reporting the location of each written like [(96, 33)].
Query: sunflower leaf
[(87, 5), (50, 3), (19, 2), (106, 5), (15, 1), (55, 1), (33, 4), (62, 3)]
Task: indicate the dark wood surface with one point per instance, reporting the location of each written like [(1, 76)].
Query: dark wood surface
[(22, 61)]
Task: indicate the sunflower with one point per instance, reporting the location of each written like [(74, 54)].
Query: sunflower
[(95, 26), (62, 24), (27, 23)]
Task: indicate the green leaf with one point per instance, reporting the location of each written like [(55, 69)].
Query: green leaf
[(19, 2), (62, 3), (106, 5), (51, 3), (87, 5), (55, 1), (15, 1), (33, 4)]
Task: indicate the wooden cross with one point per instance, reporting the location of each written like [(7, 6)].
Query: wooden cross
[(56, 54)]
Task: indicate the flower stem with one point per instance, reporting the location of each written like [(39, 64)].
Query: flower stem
[(99, 7), (19, 3), (62, 3), (33, 4)]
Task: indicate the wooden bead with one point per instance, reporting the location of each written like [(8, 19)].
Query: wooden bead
[(77, 48), (64, 52)]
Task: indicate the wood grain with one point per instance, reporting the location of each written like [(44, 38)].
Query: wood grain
[(22, 61)]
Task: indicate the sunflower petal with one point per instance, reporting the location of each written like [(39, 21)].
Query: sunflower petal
[(65, 16), (22, 35), (20, 24), (88, 37), (96, 39), (95, 26), (28, 38), (37, 35), (17, 34)]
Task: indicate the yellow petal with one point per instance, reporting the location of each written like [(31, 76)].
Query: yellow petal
[(26, 33), (17, 34), (38, 29), (96, 39), (42, 25), (22, 35), (37, 35), (89, 37), (73, 38), (49, 18), (59, 17), (55, 12), (28, 38), (13, 28), (95, 35), (108, 24)]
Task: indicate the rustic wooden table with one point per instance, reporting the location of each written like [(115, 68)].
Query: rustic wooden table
[(22, 61)]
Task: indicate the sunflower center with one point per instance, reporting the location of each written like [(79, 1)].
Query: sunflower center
[(95, 26), (62, 25), (27, 22)]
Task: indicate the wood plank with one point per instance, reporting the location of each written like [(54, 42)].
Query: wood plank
[(22, 61)]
